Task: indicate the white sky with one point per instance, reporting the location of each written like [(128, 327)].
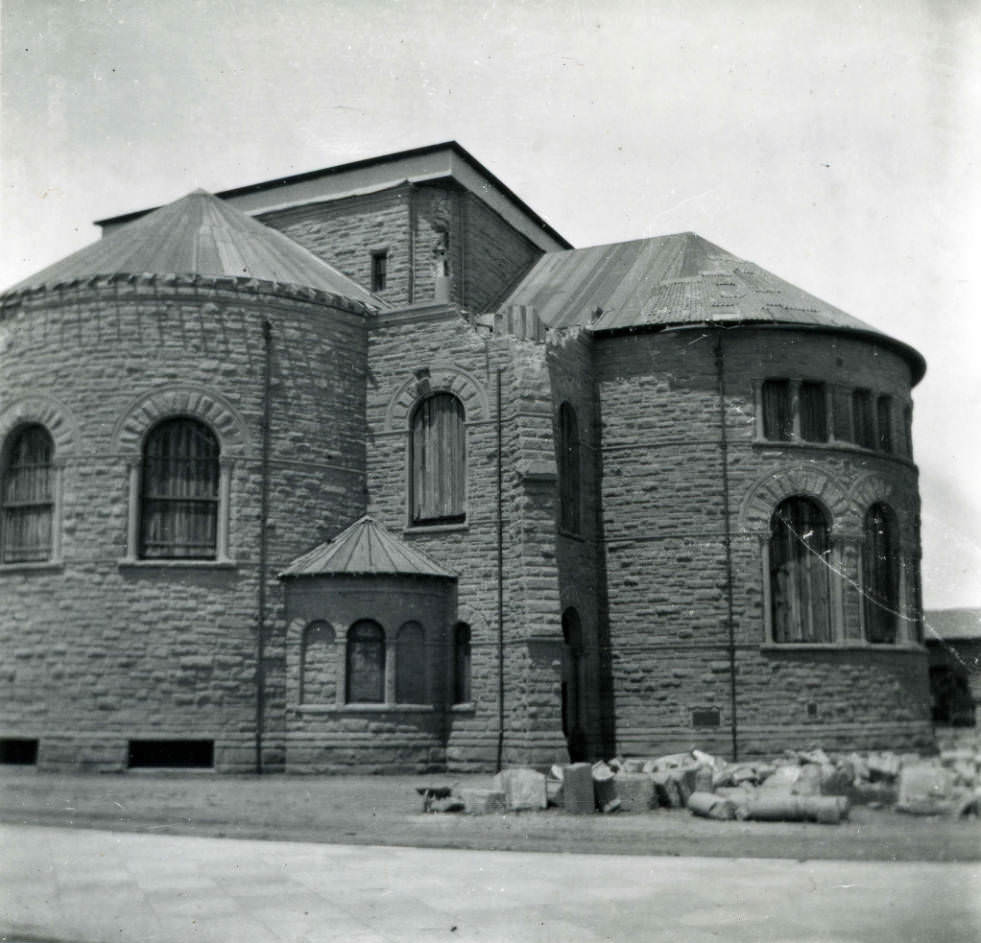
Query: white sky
[(834, 143)]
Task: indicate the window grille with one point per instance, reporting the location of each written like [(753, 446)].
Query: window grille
[(179, 498), (28, 497), (800, 585), (438, 461)]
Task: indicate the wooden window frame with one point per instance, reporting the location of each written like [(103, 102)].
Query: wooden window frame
[(379, 270), (42, 508), (437, 463)]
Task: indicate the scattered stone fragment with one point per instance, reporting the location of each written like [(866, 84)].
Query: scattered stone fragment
[(634, 765), (926, 789), (612, 805), (883, 766), (704, 777), (635, 791), (524, 788), (448, 804), (578, 796), (808, 781), (553, 785), (784, 807), (604, 785), (970, 805), (431, 793), (711, 806), (483, 801), (668, 791)]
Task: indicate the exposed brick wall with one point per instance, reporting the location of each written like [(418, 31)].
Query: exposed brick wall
[(104, 652)]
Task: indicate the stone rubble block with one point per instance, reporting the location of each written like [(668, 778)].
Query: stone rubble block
[(578, 795), (635, 791), (708, 805), (483, 801), (524, 788), (926, 789), (604, 784)]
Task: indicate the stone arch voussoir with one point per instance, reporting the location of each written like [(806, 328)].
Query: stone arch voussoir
[(767, 493), (876, 489), (179, 400), (45, 411), (442, 378)]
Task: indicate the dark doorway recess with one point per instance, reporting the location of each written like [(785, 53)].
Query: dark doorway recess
[(18, 751), (171, 754)]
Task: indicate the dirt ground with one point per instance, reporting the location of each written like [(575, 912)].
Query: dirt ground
[(386, 810)]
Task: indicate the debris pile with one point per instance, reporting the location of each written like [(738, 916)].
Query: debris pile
[(798, 786)]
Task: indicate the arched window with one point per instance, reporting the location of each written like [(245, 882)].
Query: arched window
[(365, 663), (437, 461), (28, 497), (568, 450), (880, 575), (461, 663), (410, 665), (800, 596), (318, 665), (179, 495)]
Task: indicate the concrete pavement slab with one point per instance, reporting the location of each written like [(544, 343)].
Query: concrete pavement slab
[(96, 886)]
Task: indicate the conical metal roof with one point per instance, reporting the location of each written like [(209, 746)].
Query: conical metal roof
[(366, 548), (201, 235), (673, 281)]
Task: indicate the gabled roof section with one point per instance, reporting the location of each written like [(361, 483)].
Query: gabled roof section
[(434, 163), (200, 234), (366, 548), (671, 281)]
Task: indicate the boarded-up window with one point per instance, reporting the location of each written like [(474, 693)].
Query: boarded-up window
[(179, 512), (800, 572), (880, 577), (365, 663), (863, 424), (461, 663), (410, 665), (569, 490), (777, 417), (813, 412), (28, 497), (884, 422), (318, 671), (438, 461)]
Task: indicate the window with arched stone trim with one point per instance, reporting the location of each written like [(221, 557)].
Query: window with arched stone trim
[(365, 674), (880, 575), (410, 665), (27, 496), (461, 663), (800, 572), (569, 469), (179, 494), (437, 461), (318, 664)]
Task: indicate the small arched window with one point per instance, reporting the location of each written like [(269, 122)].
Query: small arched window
[(437, 472), (365, 663), (318, 665), (461, 663), (410, 665), (179, 496), (880, 575), (569, 469), (28, 497), (800, 584)]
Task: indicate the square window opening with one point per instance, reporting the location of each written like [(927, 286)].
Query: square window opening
[(18, 751), (171, 754)]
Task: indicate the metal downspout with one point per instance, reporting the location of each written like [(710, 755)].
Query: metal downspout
[(724, 450), (500, 578), (260, 673)]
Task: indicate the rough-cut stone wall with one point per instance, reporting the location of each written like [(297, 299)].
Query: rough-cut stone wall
[(99, 649), (665, 545)]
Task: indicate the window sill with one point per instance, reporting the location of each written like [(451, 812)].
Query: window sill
[(854, 645), (834, 446), (436, 528), (468, 707), (42, 566), (362, 708), (177, 564)]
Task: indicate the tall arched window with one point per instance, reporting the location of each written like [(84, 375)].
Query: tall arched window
[(179, 496), (27, 497), (880, 575), (410, 665), (800, 584), (365, 663), (461, 663), (437, 473), (569, 496), (318, 665)]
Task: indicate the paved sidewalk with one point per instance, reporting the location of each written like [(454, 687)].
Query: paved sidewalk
[(95, 886)]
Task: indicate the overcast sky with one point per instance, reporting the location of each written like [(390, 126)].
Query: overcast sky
[(834, 143)]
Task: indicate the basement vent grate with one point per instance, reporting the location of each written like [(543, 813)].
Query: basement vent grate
[(18, 751), (171, 754)]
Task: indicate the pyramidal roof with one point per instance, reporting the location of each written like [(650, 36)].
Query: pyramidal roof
[(673, 281), (365, 548), (200, 234)]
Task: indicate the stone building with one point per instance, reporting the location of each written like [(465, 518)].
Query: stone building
[(369, 469)]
